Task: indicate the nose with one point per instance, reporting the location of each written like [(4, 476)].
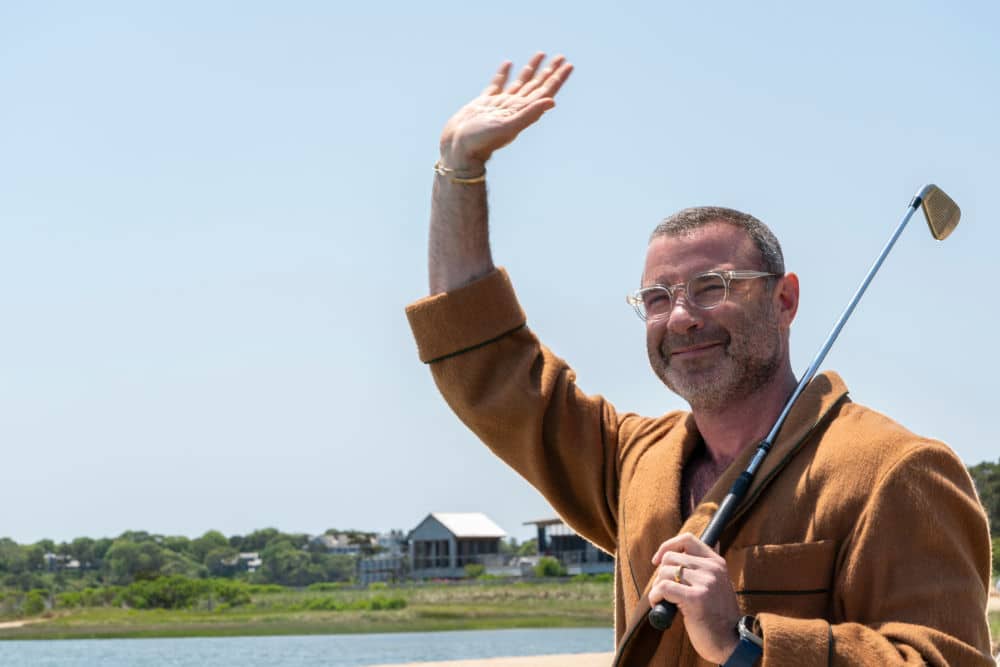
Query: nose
[(682, 316)]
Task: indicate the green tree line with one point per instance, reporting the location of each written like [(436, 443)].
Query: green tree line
[(289, 559), (986, 477)]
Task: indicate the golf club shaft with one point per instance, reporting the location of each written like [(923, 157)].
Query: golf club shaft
[(661, 616)]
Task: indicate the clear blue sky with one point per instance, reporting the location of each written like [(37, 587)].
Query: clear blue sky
[(213, 214)]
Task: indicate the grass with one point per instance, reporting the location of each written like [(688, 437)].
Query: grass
[(427, 608), (290, 612)]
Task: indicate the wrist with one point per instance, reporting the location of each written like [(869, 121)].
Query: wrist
[(455, 157), (730, 648), (750, 645), (462, 167)]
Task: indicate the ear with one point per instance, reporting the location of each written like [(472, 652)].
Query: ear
[(786, 299)]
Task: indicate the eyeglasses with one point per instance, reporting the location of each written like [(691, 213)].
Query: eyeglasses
[(705, 291)]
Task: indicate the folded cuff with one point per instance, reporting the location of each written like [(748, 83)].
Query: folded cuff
[(795, 641), (452, 322)]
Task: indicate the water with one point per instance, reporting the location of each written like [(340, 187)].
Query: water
[(339, 650)]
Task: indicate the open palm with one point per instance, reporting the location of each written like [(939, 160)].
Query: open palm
[(498, 115)]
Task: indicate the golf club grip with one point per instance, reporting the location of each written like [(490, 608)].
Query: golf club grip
[(661, 616)]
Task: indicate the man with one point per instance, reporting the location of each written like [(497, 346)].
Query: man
[(858, 542)]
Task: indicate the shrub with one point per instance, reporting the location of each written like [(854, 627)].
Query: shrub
[(474, 570), (173, 592), (180, 592), (379, 602), (69, 600), (328, 603), (232, 593), (265, 589), (34, 603), (549, 567), (327, 586)]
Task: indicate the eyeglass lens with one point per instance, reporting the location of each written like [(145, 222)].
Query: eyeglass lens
[(704, 291)]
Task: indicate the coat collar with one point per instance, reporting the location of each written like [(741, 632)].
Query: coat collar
[(821, 395), (814, 405)]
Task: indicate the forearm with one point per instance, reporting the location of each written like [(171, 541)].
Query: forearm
[(459, 238), (459, 248)]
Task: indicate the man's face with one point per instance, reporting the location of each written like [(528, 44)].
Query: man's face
[(711, 357)]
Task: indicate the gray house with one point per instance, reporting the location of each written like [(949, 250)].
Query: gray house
[(444, 543)]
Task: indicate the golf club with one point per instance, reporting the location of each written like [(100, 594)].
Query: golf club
[(942, 215)]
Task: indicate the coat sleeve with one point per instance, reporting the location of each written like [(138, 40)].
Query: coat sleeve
[(522, 401), (912, 580)]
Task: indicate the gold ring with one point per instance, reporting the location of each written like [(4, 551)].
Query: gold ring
[(680, 573)]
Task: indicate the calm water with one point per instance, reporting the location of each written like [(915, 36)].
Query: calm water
[(340, 650)]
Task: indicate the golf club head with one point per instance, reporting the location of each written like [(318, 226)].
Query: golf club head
[(941, 211)]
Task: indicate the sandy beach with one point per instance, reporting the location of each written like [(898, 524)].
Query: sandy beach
[(569, 660)]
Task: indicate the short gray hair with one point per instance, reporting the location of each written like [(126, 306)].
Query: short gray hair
[(690, 219)]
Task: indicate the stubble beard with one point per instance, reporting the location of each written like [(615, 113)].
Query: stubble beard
[(751, 359)]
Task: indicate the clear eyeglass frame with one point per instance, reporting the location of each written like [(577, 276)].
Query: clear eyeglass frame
[(700, 291)]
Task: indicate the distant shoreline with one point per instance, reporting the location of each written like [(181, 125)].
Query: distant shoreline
[(428, 608)]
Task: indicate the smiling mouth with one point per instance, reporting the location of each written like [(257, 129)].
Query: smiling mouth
[(694, 350)]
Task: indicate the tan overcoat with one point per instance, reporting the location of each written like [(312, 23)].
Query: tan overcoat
[(859, 542)]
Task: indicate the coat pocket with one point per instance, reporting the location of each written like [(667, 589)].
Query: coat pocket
[(791, 579)]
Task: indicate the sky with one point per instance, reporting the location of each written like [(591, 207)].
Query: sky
[(212, 216)]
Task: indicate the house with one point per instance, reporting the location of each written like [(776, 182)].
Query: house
[(54, 562), (390, 562), (245, 561), (579, 556), (250, 560), (342, 544), (386, 566), (393, 542), (444, 543)]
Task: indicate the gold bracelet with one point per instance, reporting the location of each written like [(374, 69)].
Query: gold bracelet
[(442, 170)]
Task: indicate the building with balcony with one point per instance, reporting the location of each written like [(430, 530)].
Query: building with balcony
[(579, 556), (444, 543)]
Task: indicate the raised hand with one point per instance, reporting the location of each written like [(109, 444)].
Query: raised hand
[(498, 115)]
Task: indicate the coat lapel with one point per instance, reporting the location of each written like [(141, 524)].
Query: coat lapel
[(657, 474)]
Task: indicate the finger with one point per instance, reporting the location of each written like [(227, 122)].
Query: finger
[(542, 76), (674, 558), (669, 590), (554, 82), (499, 79), (526, 73), (531, 113), (686, 575), (695, 547), (675, 573), (688, 543), (675, 543)]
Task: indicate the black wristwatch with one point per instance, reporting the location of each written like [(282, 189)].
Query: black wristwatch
[(751, 645)]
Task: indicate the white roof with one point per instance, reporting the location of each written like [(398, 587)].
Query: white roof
[(469, 524)]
